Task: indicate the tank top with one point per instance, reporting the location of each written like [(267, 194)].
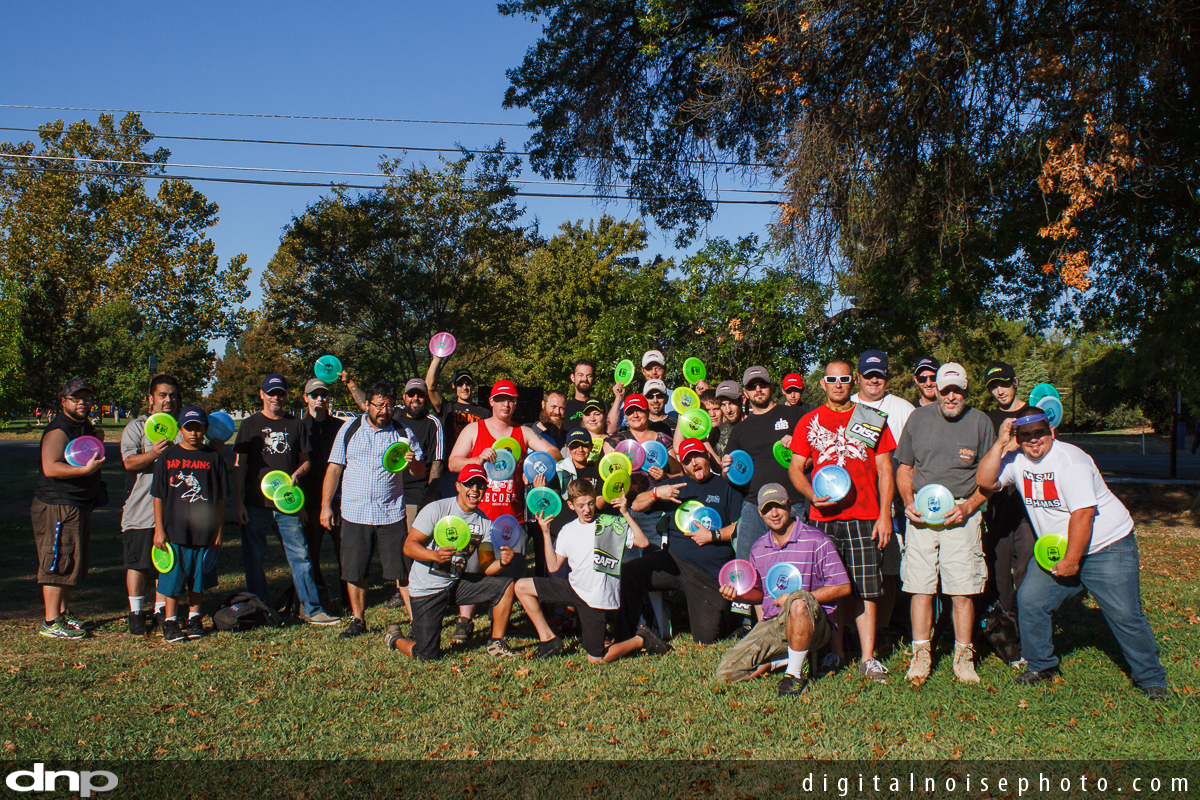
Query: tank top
[(67, 491), (501, 497)]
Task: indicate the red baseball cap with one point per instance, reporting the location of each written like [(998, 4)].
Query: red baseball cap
[(471, 471), (636, 401), (504, 389), (690, 447), (792, 381)]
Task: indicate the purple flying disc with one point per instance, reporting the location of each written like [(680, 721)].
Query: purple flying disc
[(634, 450), (82, 450), (442, 344)]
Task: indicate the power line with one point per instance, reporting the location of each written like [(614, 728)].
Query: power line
[(270, 116)]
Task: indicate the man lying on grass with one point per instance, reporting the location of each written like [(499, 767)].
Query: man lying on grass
[(592, 545), (783, 637)]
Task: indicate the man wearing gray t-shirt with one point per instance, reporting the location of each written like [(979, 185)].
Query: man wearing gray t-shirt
[(942, 444)]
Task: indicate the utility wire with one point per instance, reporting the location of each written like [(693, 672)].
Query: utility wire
[(270, 116)]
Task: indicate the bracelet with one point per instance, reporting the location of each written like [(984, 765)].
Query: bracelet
[(654, 492)]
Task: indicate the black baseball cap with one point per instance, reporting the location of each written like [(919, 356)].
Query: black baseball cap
[(461, 375), (872, 361), (577, 436), (274, 382), (193, 414), (927, 364), (76, 385), (595, 403), (998, 371)]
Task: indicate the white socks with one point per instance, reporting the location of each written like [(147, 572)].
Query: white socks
[(193, 615), (795, 662), (135, 604), (160, 607)]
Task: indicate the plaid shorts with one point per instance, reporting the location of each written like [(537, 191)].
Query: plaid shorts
[(859, 552)]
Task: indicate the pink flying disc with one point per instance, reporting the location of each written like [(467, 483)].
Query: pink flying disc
[(739, 574), (442, 344), (82, 450), (632, 448)]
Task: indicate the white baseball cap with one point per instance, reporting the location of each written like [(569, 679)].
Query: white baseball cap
[(951, 374), (653, 357), (654, 385)]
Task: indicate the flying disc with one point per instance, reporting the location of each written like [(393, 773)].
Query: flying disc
[(453, 532), (220, 426), (706, 518), (164, 560), (741, 467), (289, 499), (505, 530), (209, 562), (781, 578), (82, 450), (540, 464), (738, 573), (616, 485), (1043, 390), (684, 398), (782, 454), (614, 462), (695, 423), (161, 426), (394, 457), (442, 344), (510, 444), (503, 468), (683, 515), (934, 501), (634, 450), (656, 455), (832, 481), (1053, 408), (694, 371), (624, 372), (1048, 549), (543, 500), (327, 368), (1029, 419), (273, 480)]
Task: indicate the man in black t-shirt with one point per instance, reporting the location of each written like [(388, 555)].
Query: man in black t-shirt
[(416, 415), (550, 424), (583, 378), (321, 428), (656, 399), (270, 440), (693, 560), (457, 414)]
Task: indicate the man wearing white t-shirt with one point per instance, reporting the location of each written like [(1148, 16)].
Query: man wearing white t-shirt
[(1064, 494)]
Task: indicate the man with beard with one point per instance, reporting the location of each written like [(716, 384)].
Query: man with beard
[(550, 421), (583, 379), (656, 398), (943, 444)]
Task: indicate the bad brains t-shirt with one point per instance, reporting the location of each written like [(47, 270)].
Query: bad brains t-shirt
[(190, 483)]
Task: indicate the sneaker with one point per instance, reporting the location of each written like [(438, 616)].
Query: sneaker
[(77, 623), (553, 647), (396, 628), (195, 628), (462, 630), (149, 619), (320, 618), (392, 636), (653, 644), (1018, 664), (874, 670), (59, 629), (172, 632), (964, 663), (396, 601), (921, 664), (1156, 693), (356, 627), (159, 618), (830, 664), (1032, 677), (500, 649), (791, 686), (137, 623)]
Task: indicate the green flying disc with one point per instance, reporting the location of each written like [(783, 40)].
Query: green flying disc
[(1049, 549), (393, 457), (452, 532), (327, 368), (289, 499), (624, 372), (782, 454), (683, 515), (597, 448), (510, 444), (273, 480), (616, 484), (694, 371), (684, 398), (161, 426), (543, 500), (695, 423), (615, 462), (164, 560)]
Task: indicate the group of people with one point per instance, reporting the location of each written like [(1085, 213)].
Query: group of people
[(605, 568)]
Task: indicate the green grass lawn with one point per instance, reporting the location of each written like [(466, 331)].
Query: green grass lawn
[(300, 692)]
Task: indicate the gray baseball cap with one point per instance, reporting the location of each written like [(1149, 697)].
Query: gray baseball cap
[(314, 384), (729, 390), (755, 373), (773, 493), (417, 384)]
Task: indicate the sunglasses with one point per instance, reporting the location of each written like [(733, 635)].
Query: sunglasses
[(757, 385), (277, 393), (476, 483), (319, 395), (414, 393), (831, 379), (656, 396), (928, 377)]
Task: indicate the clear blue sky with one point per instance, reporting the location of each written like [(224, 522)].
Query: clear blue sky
[(442, 61)]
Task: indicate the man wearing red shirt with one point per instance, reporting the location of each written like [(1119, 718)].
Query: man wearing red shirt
[(856, 438)]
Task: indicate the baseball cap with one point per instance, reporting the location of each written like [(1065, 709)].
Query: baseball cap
[(314, 384), (755, 373), (594, 403), (274, 382), (772, 493), (461, 375), (503, 388), (654, 385), (636, 401), (998, 371), (471, 472), (193, 414), (951, 375), (689, 447), (729, 390), (872, 361), (579, 436), (417, 384), (76, 385), (653, 357), (792, 381), (926, 364)]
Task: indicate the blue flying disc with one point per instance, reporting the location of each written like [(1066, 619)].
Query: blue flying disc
[(1043, 390), (741, 468), (505, 530), (327, 368), (220, 426), (656, 455), (934, 501), (503, 468), (1053, 408), (781, 578), (540, 464), (706, 518), (209, 564), (832, 481), (1030, 418)]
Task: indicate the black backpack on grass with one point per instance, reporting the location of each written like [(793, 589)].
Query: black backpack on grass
[(242, 611)]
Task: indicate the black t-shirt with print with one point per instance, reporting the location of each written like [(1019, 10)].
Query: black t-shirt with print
[(457, 416), (190, 484), (757, 435), (269, 444), (719, 495), (428, 431), (1005, 510)]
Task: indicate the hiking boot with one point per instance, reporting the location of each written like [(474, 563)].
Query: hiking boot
[(1031, 677), (653, 644), (500, 649), (137, 624), (1156, 693), (395, 601), (320, 618), (172, 632), (553, 647), (356, 627), (964, 663), (921, 664), (462, 631), (59, 629), (874, 670), (791, 686), (195, 627), (77, 623), (830, 664)]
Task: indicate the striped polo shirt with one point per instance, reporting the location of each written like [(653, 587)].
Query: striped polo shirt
[(810, 550)]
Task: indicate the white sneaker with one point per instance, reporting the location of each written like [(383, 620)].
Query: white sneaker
[(874, 670)]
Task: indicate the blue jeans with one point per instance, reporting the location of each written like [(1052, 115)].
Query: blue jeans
[(295, 547), (1111, 575), (751, 526)]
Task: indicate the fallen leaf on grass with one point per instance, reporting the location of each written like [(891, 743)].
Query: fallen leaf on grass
[(522, 672), (1022, 704)]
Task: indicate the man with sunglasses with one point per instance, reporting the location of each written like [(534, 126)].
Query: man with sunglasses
[(268, 440), (656, 401), (321, 428), (1065, 494), (925, 377)]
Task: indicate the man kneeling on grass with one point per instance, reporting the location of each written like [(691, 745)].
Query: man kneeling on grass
[(782, 637), (436, 580), (592, 545)]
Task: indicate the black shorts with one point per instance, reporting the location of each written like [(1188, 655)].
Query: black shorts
[(136, 544), (427, 611), (859, 552), (591, 620), (360, 541)]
